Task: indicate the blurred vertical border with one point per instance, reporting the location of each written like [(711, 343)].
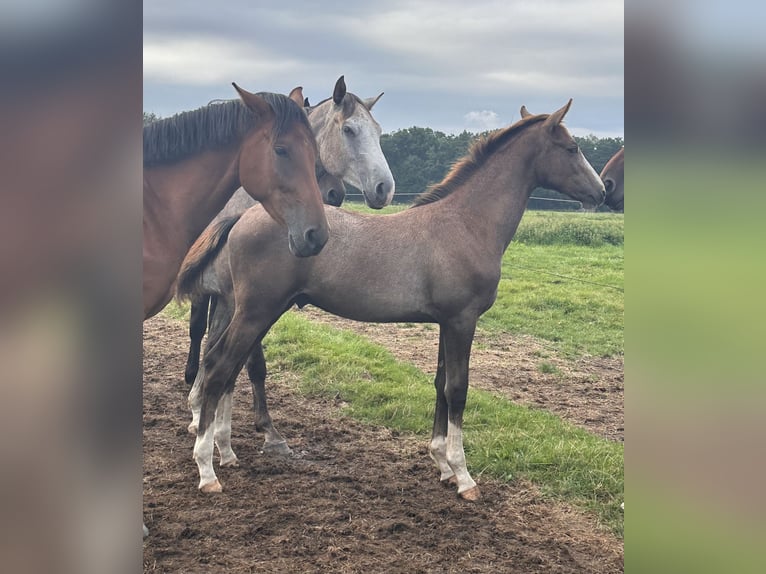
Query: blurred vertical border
[(695, 260), (70, 276)]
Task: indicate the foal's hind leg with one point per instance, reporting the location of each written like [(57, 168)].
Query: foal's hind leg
[(222, 363), (222, 433), (197, 328), (274, 443)]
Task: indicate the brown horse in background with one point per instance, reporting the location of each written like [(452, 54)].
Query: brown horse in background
[(438, 262), (193, 163), (613, 176)]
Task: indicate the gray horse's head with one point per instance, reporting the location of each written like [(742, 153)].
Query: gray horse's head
[(348, 138)]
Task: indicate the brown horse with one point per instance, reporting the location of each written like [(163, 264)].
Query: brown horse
[(193, 163), (438, 262), (613, 176)]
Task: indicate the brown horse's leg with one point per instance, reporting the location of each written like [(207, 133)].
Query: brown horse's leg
[(457, 339), (256, 371), (438, 447), (197, 328)]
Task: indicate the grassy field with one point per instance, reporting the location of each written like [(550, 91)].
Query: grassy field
[(562, 283)]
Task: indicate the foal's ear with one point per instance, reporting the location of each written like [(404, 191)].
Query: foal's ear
[(524, 112), (369, 102), (255, 103), (296, 95), (339, 92), (555, 118)]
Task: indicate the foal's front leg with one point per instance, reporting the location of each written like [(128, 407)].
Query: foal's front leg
[(447, 439), (273, 443)]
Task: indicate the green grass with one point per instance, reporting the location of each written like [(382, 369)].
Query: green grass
[(502, 440), (570, 228)]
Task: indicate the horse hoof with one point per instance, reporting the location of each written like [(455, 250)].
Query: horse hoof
[(471, 495), (192, 428), (212, 487), (277, 448), (449, 482), (146, 531), (233, 463)]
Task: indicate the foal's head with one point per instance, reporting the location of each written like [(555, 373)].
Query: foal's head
[(559, 163), (277, 167)]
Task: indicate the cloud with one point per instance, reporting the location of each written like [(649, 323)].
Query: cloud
[(482, 120), (208, 61)]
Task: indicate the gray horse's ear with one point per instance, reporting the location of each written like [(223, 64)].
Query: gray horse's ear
[(255, 103), (369, 102), (525, 112), (339, 92), (296, 95), (555, 118), (306, 103)]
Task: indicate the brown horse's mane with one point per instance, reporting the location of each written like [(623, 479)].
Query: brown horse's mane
[(213, 126), (481, 149)]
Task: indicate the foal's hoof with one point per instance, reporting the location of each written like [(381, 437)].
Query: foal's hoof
[(233, 463), (146, 531), (212, 487), (192, 428), (471, 495), (277, 448), (450, 482)]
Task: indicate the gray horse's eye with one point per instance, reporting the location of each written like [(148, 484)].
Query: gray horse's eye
[(348, 131)]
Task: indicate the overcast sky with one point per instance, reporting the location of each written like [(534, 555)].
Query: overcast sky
[(445, 64)]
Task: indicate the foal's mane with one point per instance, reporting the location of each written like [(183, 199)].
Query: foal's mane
[(213, 126), (481, 149)]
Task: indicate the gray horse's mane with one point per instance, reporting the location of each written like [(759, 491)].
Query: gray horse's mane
[(481, 149), (213, 126)]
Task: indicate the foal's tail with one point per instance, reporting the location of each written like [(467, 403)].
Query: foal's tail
[(201, 254)]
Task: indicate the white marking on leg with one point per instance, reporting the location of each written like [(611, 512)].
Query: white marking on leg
[(203, 456), (195, 401), (438, 453), (456, 458), (223, 431)]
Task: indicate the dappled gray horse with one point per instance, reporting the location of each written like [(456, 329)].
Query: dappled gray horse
[(348, 144), (436, 262)]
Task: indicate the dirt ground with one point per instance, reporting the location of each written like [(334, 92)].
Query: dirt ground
[(354, 498)]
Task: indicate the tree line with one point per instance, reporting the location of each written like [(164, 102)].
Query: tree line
[(420, 157)]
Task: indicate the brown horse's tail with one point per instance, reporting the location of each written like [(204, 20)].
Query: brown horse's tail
[(201, 254)]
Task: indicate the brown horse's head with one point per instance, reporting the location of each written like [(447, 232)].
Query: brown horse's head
[(561, 165), (613, 176), (277, 167)]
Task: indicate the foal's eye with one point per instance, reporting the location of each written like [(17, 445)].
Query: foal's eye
[(280, 151), (573, 149)]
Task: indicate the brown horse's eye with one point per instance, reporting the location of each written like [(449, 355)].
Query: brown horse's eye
[(573, 149), (280, 151)]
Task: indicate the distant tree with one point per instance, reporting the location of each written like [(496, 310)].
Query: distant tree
[(150, 117)]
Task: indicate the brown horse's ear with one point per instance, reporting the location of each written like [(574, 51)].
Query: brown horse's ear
[(296, 95), (555, 118), (524, 112), (339, 92), (369, 102), (256, 104)]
